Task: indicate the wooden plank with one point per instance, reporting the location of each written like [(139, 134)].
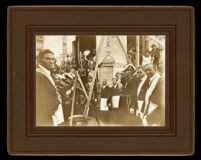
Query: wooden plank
[(86, 110), (73, 102), (122, 47)]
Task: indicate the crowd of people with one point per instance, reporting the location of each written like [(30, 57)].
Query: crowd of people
[(136, 96)]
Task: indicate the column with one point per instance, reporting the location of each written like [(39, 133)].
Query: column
[(137, 50)]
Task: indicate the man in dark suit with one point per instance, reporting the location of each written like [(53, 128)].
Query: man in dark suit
[(130, 88), (105, 90), (115, 99), (104, 114), (93, 104), (155, 54), (129, 100), (116, 87), (47, 98)]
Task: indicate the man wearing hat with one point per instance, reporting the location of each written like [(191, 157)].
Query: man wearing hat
[(155, 54), (89, 83), (94, 95), (129, 98), (91, 63)]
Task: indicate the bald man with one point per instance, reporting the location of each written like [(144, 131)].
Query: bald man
[(153, 97)]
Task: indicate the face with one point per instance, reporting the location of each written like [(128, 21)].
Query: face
[(130, 68), (57, 79), (140, 73), (118, 75), (128, 73), (48, 61), (89, 79), (153, 46), (82, 56), (90, 58), (146, 53), (114, 81), (62, 64), (104, 82), (150, 71), (72, 71)]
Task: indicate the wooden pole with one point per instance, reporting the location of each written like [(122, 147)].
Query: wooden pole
[(137, 51), (73, 101), (79, 79), (125, 53), (86, 110)]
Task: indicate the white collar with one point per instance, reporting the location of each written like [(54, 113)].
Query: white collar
[(154, 76), (104, 86), (115, 85), (143, 78), (45, 70)]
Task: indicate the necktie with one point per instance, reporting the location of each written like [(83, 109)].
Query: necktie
[(143, 91)]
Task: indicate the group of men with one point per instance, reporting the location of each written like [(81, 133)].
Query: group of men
[(137, 97), (137, 93)]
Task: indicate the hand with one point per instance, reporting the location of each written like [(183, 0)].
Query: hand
[(145, 117), (144, 121), (137, 113), (68, 92), (132, 110), (141, 115)]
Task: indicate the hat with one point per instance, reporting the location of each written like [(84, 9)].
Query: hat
[(126, 67), (90, 56), (86, 53), (89, 77), (69, 75), (153, 45)]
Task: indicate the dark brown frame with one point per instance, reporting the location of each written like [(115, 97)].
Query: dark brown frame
[(172, 130)]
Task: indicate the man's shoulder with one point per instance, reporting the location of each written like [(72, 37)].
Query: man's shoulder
[(161, 79), (132, 78), (41, 77), (39, 74), (157, 50)]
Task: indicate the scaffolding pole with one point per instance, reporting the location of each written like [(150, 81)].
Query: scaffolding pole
[(137, 51)]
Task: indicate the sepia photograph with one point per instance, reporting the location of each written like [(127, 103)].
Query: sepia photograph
[(100, 80), (104, 80)]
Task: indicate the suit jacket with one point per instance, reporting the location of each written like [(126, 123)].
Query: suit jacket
[(131, 85), (156, 54), (106, 92), (158, 95), (46, 100), (157, 98), (115, 91)]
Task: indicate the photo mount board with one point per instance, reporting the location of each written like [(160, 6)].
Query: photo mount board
[(176, 138)]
